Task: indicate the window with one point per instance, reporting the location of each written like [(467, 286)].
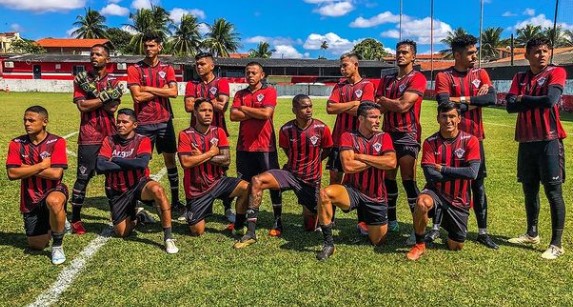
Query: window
[(77, 69)]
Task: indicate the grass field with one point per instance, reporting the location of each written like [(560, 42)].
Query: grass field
[(283, 271)]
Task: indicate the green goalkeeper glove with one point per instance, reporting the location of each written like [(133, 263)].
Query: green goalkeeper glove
[(111, 94), (87, 85)]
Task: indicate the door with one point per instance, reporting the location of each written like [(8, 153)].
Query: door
[(37, 72)]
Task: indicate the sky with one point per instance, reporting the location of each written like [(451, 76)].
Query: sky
[(297, 28)]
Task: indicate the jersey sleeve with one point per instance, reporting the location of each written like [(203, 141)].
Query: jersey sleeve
[(346, 142), (184, 146), (144, 147), (326, 141), (484, 77), (190, 90), (283, 139), (387, 143), (335, 94), (557, 77), (270, 99), (105, 151), (59, 156), (223, 87), (428, 157), (237, 101), (223, 140), (13, 159), (417, 85), (514, 88), (380, 89), (79, 94), (133, 77), (473, 151), (442, 84), (368, 93), (170, 75)]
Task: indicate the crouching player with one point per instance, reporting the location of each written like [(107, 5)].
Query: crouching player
[(450, 160), (38, 159), (204, 155), (306, 142), (366, 155), (124, 158)]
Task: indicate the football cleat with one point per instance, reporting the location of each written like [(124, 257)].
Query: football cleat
[(326, 252), (78, 228), (393, 226), (170, 246), (411, 239), (245, 241), (486, 240), (416, 252), (143, 217), (362, 228), (525, 239), (432, 235), (277, 229), (58, 256), (553, 252), (230, 215)]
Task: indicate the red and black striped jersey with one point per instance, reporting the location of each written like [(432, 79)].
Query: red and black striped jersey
[(456, 152), (371, 180), (304, 148), (393, 88), (210, 90), (97, 124), (345, 91), (456, 84), (200, 179), (538, 124), (118, 182), (256, 135), (157, 110), (22, 151)]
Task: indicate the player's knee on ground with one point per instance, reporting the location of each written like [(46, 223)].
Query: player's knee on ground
[(39, 242), (377, 234), (197, 229), (455, 245)]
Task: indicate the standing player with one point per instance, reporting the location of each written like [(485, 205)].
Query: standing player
[(96, 95), (204, 155), (400, 96), (344, 100), (450, 160), (124, 158), (216, 90), (472, 88), (366, 154), (151, 84), (534, 95), (254, 107), (38, 159), (306, 142)]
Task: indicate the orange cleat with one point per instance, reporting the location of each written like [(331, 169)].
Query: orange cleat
[(416, 252)]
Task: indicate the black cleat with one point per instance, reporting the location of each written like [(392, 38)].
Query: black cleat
[(486, 240), (326, 252), (432, 235)]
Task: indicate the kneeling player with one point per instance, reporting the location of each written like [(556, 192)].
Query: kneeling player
[(124, 158), (38, 159), (204, 154), (450, 160), (366, 155), (306, 142)]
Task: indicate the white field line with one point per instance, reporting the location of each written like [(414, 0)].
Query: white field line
[(69, 135)]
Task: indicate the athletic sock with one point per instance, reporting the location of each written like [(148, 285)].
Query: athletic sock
[(531, 193), (482, 231), (419, 238), (252, 215), (78, 197), (327, 234), (277, 211), (240, 220), (76, 212), (57, 238), (173, 177), (166, 233), (392, 191), (557, 207), (412, 192)]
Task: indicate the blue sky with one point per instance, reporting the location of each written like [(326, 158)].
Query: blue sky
[(296, 28)]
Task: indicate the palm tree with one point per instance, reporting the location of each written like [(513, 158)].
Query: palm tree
[(92, 25), (526, 33), (559, 37), (323, 47), (568, 38), (222, 38), (448, 41), (187, 38), (490, 41), (155, 20), (263, 51)]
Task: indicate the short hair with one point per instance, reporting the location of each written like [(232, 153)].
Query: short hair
[(152, 36), (254, 63), (199, 101), (460, 43), (128, 112), (365, 107), (536, 42), (298, 98), (410, 43), (447, 107), (38, 109), (350, 55), (202, 55), (104, 47)]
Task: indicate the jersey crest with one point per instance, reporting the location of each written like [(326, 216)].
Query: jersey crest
[(213, 90), (162, 74), (459, 153), (313, 140), (476, 82), (541, 81), (358, 93), (377, 146), (260, 97)]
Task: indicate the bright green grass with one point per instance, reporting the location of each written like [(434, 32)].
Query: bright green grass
[(207, 271)]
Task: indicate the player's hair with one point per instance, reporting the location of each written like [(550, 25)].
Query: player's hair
[(350, 55), (254, 63), (460, 43), (152, 36), (447, 107), (38, 109), (128, 112), (202, 55), (199, 101), (298, 98), (104, 47), (410, 43), (365, 107), (536, 42)]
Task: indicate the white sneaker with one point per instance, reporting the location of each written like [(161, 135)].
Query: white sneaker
[(553, 252), (230, 215), (170, 246), (411, 241), (525, 239), (58, 256), (183, 217)]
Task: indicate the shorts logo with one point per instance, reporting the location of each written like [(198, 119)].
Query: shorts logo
[(44, 154), (377, 146), (83, 169), (402, 87), (260, 97), (313, 139), (555, 178), (213, 90), (358, 93), (476, 83), (162, 74), (541, 81), (459, 153)]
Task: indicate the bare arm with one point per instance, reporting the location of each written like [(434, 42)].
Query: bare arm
[(238, 116), (400, 105), (189, 104), (86, 105), (342, 107), (325, 153), (387, 161), (350, 164), (25, 171), (221, 103), (197, 157), (138, 95), (168, 91), (222, 159), (258, 113)]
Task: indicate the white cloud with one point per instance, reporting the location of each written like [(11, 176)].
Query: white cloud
[(391, 34), (529, 12), (128, 29), (43, 5), (508, 14), (390, 50), (419, 30), (16, 27), (385, 17), (336, 44), (278, 40), (287, 52), (335, 9), (318, 1), (114, 10), (203, 28), (70, 31), (541, 20), (143, 4), (177, 13)]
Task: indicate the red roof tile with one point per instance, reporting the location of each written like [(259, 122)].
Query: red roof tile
[(70, 42)]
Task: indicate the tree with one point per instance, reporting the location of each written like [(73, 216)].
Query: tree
[(447, 53), (222, 38), (263, 51), (119, 39), (370, 49), (26, 46), (568, 35), (526, 33), (323, 47), (92, 25), (490, 41), (186, 39), (154, 20), (559, 37)]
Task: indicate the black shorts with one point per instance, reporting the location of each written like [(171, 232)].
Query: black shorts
[(201, 207), (122, 206), (405, 144), (454, 220), (87, 156), (541, 161), (162, 135), (372, 213), (482, 172), (37, 221), (334, 163), (250, 164), (307, 194)]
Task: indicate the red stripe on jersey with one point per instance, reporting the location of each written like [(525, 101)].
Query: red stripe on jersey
[(211, 91), (256, 135)]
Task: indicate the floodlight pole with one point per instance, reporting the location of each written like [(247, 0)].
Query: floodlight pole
[(480, 32), (400, 35), (432, 40), (554, 30)]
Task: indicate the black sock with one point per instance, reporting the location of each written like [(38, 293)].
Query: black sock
[(327, 234), (392, 191), (76, 212), (531, 192), (557, 206), (480, 202), (166, 233), (57, 238), (411, 192), (277, 211), (173, 177), (78, 197), (419, 238), (252, 215), (227, 203), (240, 220)]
